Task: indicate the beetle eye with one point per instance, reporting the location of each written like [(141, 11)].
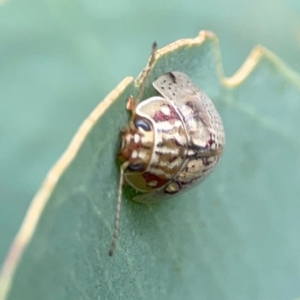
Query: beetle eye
[(136, 167), (142, 123)]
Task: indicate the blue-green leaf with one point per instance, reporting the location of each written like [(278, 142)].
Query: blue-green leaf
[(235, 235)]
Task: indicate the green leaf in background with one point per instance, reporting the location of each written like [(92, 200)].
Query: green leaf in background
[(234, 236), (58, 59)]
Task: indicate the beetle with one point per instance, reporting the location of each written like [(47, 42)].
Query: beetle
[(173, 141)]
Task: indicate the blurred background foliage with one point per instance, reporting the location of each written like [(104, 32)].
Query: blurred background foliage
[(59, 59)]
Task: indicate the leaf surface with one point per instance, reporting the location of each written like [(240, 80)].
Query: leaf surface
[(235, 234)]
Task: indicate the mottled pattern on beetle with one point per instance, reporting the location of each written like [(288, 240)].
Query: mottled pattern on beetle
[(202, 121), (203, 126), (195, 171), (188, 138), (170, 146), (137, 145)]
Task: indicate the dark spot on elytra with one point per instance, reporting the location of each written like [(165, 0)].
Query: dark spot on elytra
[(190, 104), (210, 142), (206, 162), (196, 149), (172, 76)]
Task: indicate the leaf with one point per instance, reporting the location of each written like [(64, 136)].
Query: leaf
[(235, 234), (58, 60)]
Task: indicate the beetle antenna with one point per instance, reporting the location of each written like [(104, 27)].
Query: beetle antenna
[(131, 106), (118, 210), (147, 72)]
